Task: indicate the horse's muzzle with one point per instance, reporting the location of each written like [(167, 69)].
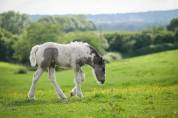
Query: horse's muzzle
[(102, 81)]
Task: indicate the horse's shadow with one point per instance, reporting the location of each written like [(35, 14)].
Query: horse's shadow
[(98, 97), (27, 102)]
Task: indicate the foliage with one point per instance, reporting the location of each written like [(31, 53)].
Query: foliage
[(142, 40), (112, 56), (36, 33), (155, 48), (70, 23), (49, 28), (176, 36), (156, 39), (41, 32), (173, 24), (21, 71), (22, 48), (18, 34), (140, 87), (92, 38), (7, 41), (122, 42), (14, 22), (164, 37)]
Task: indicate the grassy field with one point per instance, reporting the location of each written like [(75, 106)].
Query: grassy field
[(141, 87)]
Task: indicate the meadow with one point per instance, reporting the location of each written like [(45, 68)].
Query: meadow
[(139, 87)]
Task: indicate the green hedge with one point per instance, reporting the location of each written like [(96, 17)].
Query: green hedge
[(155, 48), (142, 42)]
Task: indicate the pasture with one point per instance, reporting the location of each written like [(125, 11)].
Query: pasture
[(140, 87)]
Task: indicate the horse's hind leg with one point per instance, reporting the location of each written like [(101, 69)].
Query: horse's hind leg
[(36, 77), (52, 78)]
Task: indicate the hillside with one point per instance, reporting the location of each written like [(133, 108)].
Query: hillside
[(144, 86), (128, 21), (133, 21)]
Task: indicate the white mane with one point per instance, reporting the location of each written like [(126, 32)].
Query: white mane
[(76, 43)]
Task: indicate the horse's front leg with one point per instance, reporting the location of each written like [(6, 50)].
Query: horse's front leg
[(79, 77)]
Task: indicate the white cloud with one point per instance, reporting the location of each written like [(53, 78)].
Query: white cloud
[(85, 6)]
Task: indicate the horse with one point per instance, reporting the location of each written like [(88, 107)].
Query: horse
[(48, 55)]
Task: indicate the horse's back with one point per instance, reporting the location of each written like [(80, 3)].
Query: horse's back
[(65, 55)]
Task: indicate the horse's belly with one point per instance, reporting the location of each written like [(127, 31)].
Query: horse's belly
[(63, 62)]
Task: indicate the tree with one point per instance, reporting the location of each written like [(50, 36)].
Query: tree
[(173, 24), (7, 41), (41, 32), (22, 48), (14, 22), (70, 23), (176, 36), (122, 42), (37, 33), (164, 37), (142, 40), (93, 39)]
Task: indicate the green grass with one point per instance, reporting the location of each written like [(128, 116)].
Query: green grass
[(141, 87)]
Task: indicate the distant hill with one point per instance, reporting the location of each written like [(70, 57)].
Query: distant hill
[(129, 21), (133, 21)]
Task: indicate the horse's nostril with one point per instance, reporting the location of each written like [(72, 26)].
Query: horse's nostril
[(102, 81)]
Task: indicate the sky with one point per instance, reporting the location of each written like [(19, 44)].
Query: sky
[(85, 6)]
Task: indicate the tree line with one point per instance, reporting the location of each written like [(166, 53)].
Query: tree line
[(18, 33), (145, 42)]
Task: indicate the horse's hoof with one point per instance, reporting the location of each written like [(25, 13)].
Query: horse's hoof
[(63, 97), (31, 98), (72, 94), (62, 100), (80, 95)]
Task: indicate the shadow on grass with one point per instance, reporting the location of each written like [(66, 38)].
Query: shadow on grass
[(96, 98), (100, 98), (27, 102)]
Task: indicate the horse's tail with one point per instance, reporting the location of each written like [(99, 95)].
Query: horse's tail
[(33, 55)]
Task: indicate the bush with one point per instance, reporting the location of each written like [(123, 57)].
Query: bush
[(155, 48), (121, 42), (142, 40), (36, 33), (98, 42), (149, 41), (7, 40), (164, 37), (176, 36), (21, 71), (14, 22), (112, 56), (173, 24)]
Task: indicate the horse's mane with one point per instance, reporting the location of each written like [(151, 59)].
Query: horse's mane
[(79, 43), (97, 58)]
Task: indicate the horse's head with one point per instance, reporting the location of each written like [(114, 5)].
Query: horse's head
[(99, 69)]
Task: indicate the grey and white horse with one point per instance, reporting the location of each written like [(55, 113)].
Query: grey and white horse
[(75, 55)]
